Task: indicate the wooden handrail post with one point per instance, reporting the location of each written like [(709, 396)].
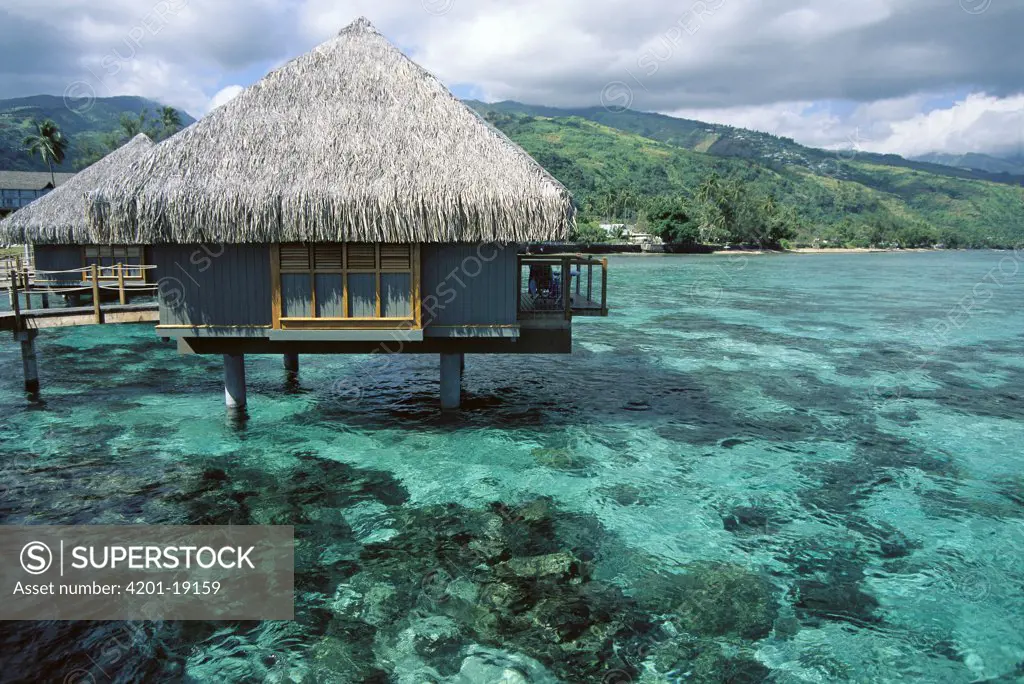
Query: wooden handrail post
[(604, 286), (15, 304), (120, 284), (96, 294), (567, 287), (519, 284)]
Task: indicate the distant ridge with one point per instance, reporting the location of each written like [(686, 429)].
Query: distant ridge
[(726, 141), (981, 162), (618, 164)]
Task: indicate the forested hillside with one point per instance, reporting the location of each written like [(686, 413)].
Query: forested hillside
[(619, 175), (688, 181), (92, 127)]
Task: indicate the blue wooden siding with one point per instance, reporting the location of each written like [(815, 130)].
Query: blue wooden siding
[(461, 285), (213, 284), (468, 284), (59, 258)]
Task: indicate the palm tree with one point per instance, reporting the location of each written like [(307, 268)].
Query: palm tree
[(49, 143), (133, 125), (170, 120)]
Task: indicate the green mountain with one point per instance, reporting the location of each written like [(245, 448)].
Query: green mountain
[(86, 124), (984, 162), (855, 202), (725, 141), (625, 164)]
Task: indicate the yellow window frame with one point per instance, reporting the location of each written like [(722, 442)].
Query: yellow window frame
[(377, 322)]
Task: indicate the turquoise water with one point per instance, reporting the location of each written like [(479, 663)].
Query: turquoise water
[(758, 468)]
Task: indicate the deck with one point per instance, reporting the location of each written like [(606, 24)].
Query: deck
[(541, 292), (579, 305), (24, 284), (79, 315)]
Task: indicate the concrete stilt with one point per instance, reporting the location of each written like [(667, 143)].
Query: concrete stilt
[(451, 380), (28, 359), (291, 363), (234, 380)]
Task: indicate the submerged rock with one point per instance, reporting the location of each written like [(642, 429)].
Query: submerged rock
[(747, 519), (834, 600), (563, 565), (494, 666), (369, 601), (435, 639), (625, 494), (713, 599), (703, 661)]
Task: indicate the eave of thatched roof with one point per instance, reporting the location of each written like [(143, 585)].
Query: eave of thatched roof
[(60, 216), (349, 142)]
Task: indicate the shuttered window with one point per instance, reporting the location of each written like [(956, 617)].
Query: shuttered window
[(107, 258), (351, 281)]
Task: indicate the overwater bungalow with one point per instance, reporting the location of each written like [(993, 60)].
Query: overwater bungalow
[(67, 262), (349, 203), (57, 228)]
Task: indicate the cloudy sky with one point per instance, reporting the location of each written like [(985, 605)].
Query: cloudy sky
[(905, 76)]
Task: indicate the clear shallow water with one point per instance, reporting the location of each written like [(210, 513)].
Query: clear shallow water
[(786, 469)]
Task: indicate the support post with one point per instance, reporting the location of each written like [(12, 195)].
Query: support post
[(97, 311), (291, 363), (567, 288), (120, 284), (234, 381), (451, 380), (15, 304), (29, 365), (604, 286)]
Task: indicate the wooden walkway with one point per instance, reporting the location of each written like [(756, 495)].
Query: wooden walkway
[(80, 315), (20, 284)]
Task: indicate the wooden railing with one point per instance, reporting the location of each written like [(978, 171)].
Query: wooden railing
[(23, 282), (541, 293)]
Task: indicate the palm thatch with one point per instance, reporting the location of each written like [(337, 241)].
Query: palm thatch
[(350, 142), (60, 216)]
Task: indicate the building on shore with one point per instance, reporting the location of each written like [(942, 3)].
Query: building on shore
[(349, 203)]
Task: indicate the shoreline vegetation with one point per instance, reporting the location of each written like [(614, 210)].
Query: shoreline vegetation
[(712, 250)]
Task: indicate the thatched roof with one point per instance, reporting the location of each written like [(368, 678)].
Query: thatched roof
[(349, 142), (31, 180), (61, 215)]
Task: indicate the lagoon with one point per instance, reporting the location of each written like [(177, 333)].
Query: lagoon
[(788, 468)]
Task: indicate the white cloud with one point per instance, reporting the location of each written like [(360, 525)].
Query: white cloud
[(755, 63), (977, 123), (223, 96)]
